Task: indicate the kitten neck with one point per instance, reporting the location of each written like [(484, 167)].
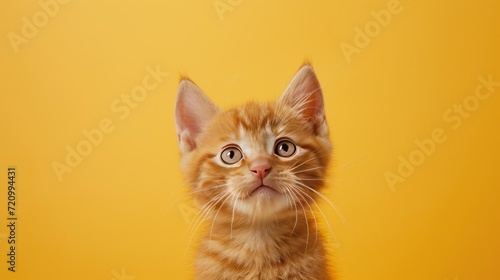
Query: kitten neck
[(297, 227)]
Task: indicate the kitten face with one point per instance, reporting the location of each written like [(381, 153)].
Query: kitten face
[(258, 160)]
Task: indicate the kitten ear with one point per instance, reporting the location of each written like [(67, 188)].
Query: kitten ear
[(193, 110), (304, 94)]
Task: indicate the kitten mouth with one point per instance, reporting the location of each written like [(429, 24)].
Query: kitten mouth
[(263, 189)]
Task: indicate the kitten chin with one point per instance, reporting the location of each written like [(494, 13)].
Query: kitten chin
[(263, 205), (256, 172)]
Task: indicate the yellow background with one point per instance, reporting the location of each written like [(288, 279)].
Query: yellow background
[(121, 213)]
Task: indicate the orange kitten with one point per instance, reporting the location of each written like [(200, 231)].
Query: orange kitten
[(255, 171)]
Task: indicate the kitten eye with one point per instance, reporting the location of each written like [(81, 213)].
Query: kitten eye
[(231, 155), (285, 148)]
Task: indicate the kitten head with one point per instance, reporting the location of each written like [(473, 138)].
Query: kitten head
[(257, 160)]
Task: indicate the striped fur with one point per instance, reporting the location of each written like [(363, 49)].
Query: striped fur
[(262, 235)]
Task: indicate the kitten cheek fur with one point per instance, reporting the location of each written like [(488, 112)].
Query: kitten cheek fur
[(284, 244)]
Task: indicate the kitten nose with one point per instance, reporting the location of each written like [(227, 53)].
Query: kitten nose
[(261, 168)]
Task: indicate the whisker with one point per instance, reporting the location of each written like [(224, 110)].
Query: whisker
[(293, 167), (172, 204), (309, 169), (207, 209), (322, 214), (299, 191), (287, 189), (307, 226), (337, 210), (204, 208), (201, 215), (311, 179), (232, 214), (345, 166), (305, 217), (215, 217), (188, 194), (206, 189)]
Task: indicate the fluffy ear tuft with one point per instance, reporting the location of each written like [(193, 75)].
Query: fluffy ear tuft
[(193, 110), (304, 94)]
